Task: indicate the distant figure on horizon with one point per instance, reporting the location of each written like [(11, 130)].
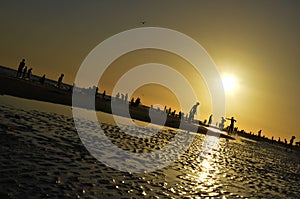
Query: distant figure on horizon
[(42, 79), (20, 68), (122, 98), (259, 133), (59, 81), (137, 102), (117, 96), (193, 111), (222, 123), (126, 98), (103, 94), (292, 140), (29, 73), (132, 101), (290, 145), (210, 120), (169, 111), (180, 114), (24, 72), (231, 127)]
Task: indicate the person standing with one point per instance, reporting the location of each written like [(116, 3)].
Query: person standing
[(290, 145), (193, 111), (29, 72), (42, 79), (210, 120), (231, 127), (24, 72), (59, 81), (222, 123), (20, 68)]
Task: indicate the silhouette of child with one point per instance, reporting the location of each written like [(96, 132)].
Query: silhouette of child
[(29, 73), (42, 79)]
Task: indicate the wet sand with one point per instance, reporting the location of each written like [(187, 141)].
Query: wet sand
[(42, 156)]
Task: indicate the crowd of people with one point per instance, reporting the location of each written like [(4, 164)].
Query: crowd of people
[(24, 72)]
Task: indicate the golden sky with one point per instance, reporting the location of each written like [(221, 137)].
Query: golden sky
[(257, 42)]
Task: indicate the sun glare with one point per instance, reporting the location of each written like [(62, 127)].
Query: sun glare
[(229, 83)]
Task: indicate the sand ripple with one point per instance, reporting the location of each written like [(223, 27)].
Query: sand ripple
[(42, 157)]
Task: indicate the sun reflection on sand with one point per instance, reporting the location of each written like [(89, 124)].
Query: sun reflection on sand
[(203, 176)]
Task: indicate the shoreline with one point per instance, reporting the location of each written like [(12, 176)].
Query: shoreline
[(32, 89)]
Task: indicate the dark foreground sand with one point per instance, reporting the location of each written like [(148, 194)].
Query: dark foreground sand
[(42, 156)]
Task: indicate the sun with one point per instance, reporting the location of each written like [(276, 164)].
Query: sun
[(229, 83)]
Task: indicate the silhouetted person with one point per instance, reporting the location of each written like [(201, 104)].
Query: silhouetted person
[(292, 140), (231, 127), (137, 101), (290, 146), (222, 123), (285, 141), (20, 68), (210, 120), (132, 101), (103, 94), (173, 113), (24, 72), (122, 98), (126, 98), (29, 73), (193, 111), (259, 133), (59, 81), (117, 96), (42, 79)]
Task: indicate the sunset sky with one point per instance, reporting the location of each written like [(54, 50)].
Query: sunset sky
[(255, 42)]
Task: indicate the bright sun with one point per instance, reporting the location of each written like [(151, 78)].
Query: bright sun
[(229, 83)]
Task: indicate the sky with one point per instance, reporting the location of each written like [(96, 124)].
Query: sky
[(256, 42)]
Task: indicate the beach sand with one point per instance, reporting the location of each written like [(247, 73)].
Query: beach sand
[(42, 156)]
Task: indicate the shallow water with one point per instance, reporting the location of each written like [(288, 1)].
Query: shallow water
[(42, 156)]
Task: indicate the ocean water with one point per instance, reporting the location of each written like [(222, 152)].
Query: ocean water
[(42, 156)]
